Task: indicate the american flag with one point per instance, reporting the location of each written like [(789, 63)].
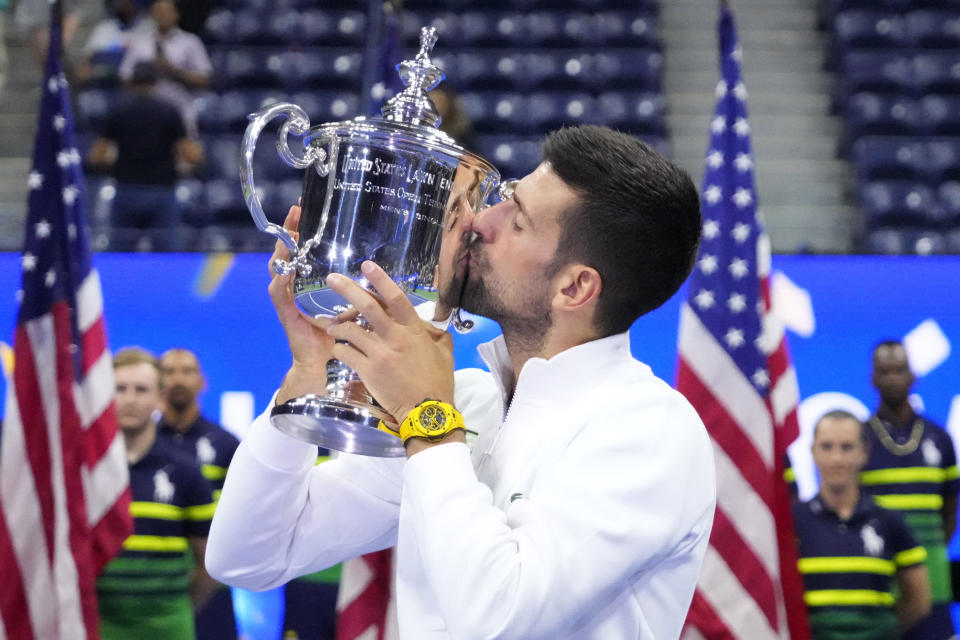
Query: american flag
[(64, 489), (735, 368)]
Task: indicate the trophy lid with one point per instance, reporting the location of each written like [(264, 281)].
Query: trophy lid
[(420, 75)]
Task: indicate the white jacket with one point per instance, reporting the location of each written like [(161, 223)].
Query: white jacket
[(584, 512)]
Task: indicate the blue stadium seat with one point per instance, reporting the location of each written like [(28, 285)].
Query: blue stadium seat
[(559, 29), (323, 69), (218, 28), (898, 203), (446, 23), (495, 111), (953, 241), (627, 29), (876, 71), (225, 202), (937, 73), (897, 241), (234, 107), (948, 194), (488, 70), (941, 114), (934, 29), (872, 114), (207, 107), (252, 27), (328, 106), (632, 112), (863, 28), (281, 195), (491, 29), (943, 160), (550, 71), (222, 156), (636, 70), (316, 27), (250, 68), (514, 156), (888, 158), (191, 194), (549, 111), (592, 6)]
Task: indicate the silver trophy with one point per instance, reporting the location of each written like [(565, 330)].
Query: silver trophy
[(389, 189)]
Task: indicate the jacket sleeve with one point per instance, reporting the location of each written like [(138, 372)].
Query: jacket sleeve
[(615, 505), (281, 515)]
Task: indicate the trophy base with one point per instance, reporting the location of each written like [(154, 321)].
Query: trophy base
[(337, 425)]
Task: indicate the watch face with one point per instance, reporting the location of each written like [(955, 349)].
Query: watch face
[(432, 419)]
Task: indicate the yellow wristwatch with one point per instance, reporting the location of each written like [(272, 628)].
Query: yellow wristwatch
[(431, 419)]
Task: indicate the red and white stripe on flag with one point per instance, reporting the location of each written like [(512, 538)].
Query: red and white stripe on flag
[(63, 475), (64, 485), (366, 609), (735, 369)]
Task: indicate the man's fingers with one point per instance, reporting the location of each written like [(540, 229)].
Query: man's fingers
[(292, 220), (398, 305), (362, 300), (280, 251)]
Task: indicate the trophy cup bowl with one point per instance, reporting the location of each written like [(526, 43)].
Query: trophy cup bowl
[(389, 189)]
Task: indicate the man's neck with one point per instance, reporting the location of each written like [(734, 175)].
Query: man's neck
[(899, 414), (181, 420), (554, 342), (842, 499), (139, 441)]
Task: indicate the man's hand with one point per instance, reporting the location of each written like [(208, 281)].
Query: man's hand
[(402, 360), (310, 345)]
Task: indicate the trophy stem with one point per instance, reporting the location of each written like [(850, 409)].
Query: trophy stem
[(345, 386)]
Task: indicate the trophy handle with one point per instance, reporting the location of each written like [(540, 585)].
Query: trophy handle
[(297, 123)]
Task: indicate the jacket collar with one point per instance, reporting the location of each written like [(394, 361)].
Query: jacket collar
[(564, 375)]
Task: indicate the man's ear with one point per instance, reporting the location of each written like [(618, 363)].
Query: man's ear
[(579, 288)]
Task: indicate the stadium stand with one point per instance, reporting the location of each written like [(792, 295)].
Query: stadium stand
[(898, 67), (522, 68)]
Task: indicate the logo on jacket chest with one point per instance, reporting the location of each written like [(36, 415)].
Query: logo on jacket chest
[(162, 487), (872, 542)]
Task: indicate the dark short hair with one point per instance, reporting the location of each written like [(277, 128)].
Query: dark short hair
[(637, 220), (887, 342), (843, 414)]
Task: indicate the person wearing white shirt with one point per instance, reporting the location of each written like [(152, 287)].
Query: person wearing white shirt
[(179, 55), (577, 499)]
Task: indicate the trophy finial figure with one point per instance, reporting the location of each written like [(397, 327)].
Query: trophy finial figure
[(428, 38), (419, 75)]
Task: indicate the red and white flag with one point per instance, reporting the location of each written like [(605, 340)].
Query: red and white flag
[(64, 488), (735, 369)]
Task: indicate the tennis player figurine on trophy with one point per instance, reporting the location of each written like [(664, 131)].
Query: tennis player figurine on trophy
[(392, 189)]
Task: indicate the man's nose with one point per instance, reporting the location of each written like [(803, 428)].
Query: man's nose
[(486, 222)]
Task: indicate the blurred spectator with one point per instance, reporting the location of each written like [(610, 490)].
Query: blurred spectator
[(179, 56), (850, 549), (912, 468), (212, 448), (455, 121), (109, 40), (151, 589), (182, 382), (143, 141), (32, 17)]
